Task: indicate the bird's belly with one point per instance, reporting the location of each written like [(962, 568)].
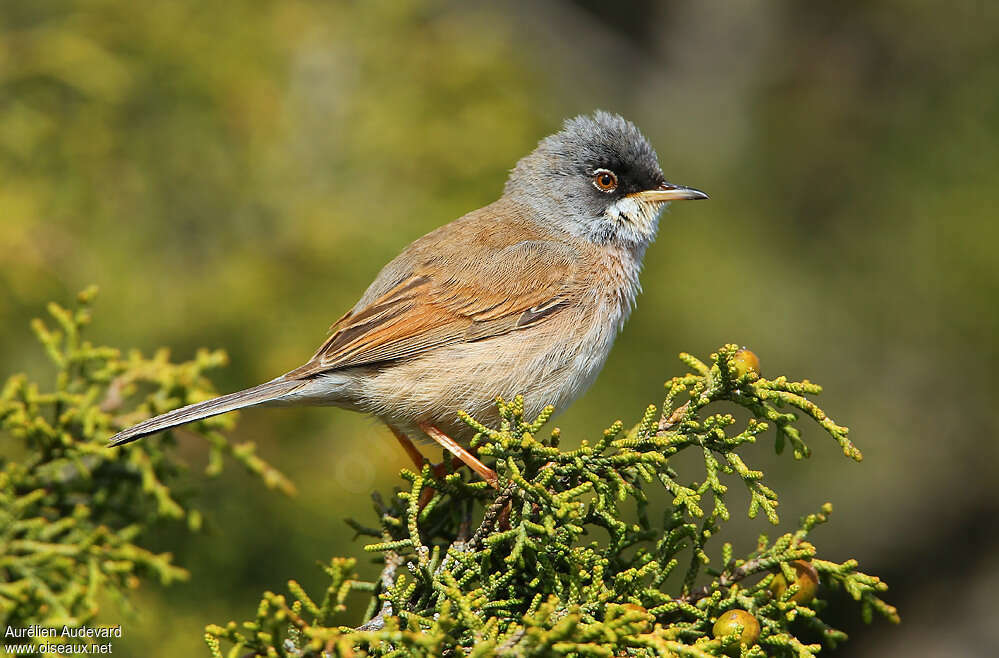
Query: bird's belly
[(548, 364)]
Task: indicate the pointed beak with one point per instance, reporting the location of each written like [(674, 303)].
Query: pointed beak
[(670, 192)]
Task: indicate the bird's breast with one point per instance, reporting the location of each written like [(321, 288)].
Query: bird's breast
[(549, 363)]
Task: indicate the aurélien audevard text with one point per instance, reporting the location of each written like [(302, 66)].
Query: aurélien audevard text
[(81, 632), (64, 639)]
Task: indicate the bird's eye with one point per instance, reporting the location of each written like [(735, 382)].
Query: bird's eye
[(605, 180)]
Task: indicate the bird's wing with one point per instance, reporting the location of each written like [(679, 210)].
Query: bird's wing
[(453, 298)]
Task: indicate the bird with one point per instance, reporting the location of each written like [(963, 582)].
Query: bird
[(524, 296)]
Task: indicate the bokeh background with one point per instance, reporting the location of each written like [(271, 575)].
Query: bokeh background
[(234, 174)]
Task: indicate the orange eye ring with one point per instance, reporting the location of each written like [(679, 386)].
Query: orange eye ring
[(605, 180)]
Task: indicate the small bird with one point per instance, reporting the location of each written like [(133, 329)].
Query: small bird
[(523, 296)]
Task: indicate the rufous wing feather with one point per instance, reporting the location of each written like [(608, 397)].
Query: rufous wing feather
[(530, 282)]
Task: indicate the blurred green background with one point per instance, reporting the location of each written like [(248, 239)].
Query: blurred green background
[(234, 174)]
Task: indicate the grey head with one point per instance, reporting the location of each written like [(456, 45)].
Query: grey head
[(597, 178)]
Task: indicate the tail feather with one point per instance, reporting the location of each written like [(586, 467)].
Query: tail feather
[(220, 405)]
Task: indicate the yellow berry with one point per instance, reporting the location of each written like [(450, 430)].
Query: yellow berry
[(727, 624), (745, 362), (806, 578)]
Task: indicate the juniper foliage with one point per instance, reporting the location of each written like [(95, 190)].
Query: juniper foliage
[(571, 556), (72, 511), (548, 565)]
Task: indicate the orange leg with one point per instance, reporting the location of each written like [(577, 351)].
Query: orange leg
[(488, 474), (407, 445), (418, 459)]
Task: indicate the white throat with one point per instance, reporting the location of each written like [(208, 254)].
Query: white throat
[(636, 220)]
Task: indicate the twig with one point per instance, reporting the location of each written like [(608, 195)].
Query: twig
[(726, 579), (666, 424), (491, 516), (392, 562)]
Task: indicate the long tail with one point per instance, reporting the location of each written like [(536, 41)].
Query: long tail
[(246, 398)]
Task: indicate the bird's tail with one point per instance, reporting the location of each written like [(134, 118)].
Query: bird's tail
[(267, 392)]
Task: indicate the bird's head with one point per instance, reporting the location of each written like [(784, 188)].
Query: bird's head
[(597, 178)]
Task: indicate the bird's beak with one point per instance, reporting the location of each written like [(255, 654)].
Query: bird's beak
[(670, 192)]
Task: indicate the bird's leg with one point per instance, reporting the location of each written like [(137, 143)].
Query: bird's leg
[(418, 458), (414, 453), (410, 448), (488, 474)]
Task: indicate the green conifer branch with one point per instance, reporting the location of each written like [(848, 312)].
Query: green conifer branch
[(557, 564), (598, 551), (73, 512)]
